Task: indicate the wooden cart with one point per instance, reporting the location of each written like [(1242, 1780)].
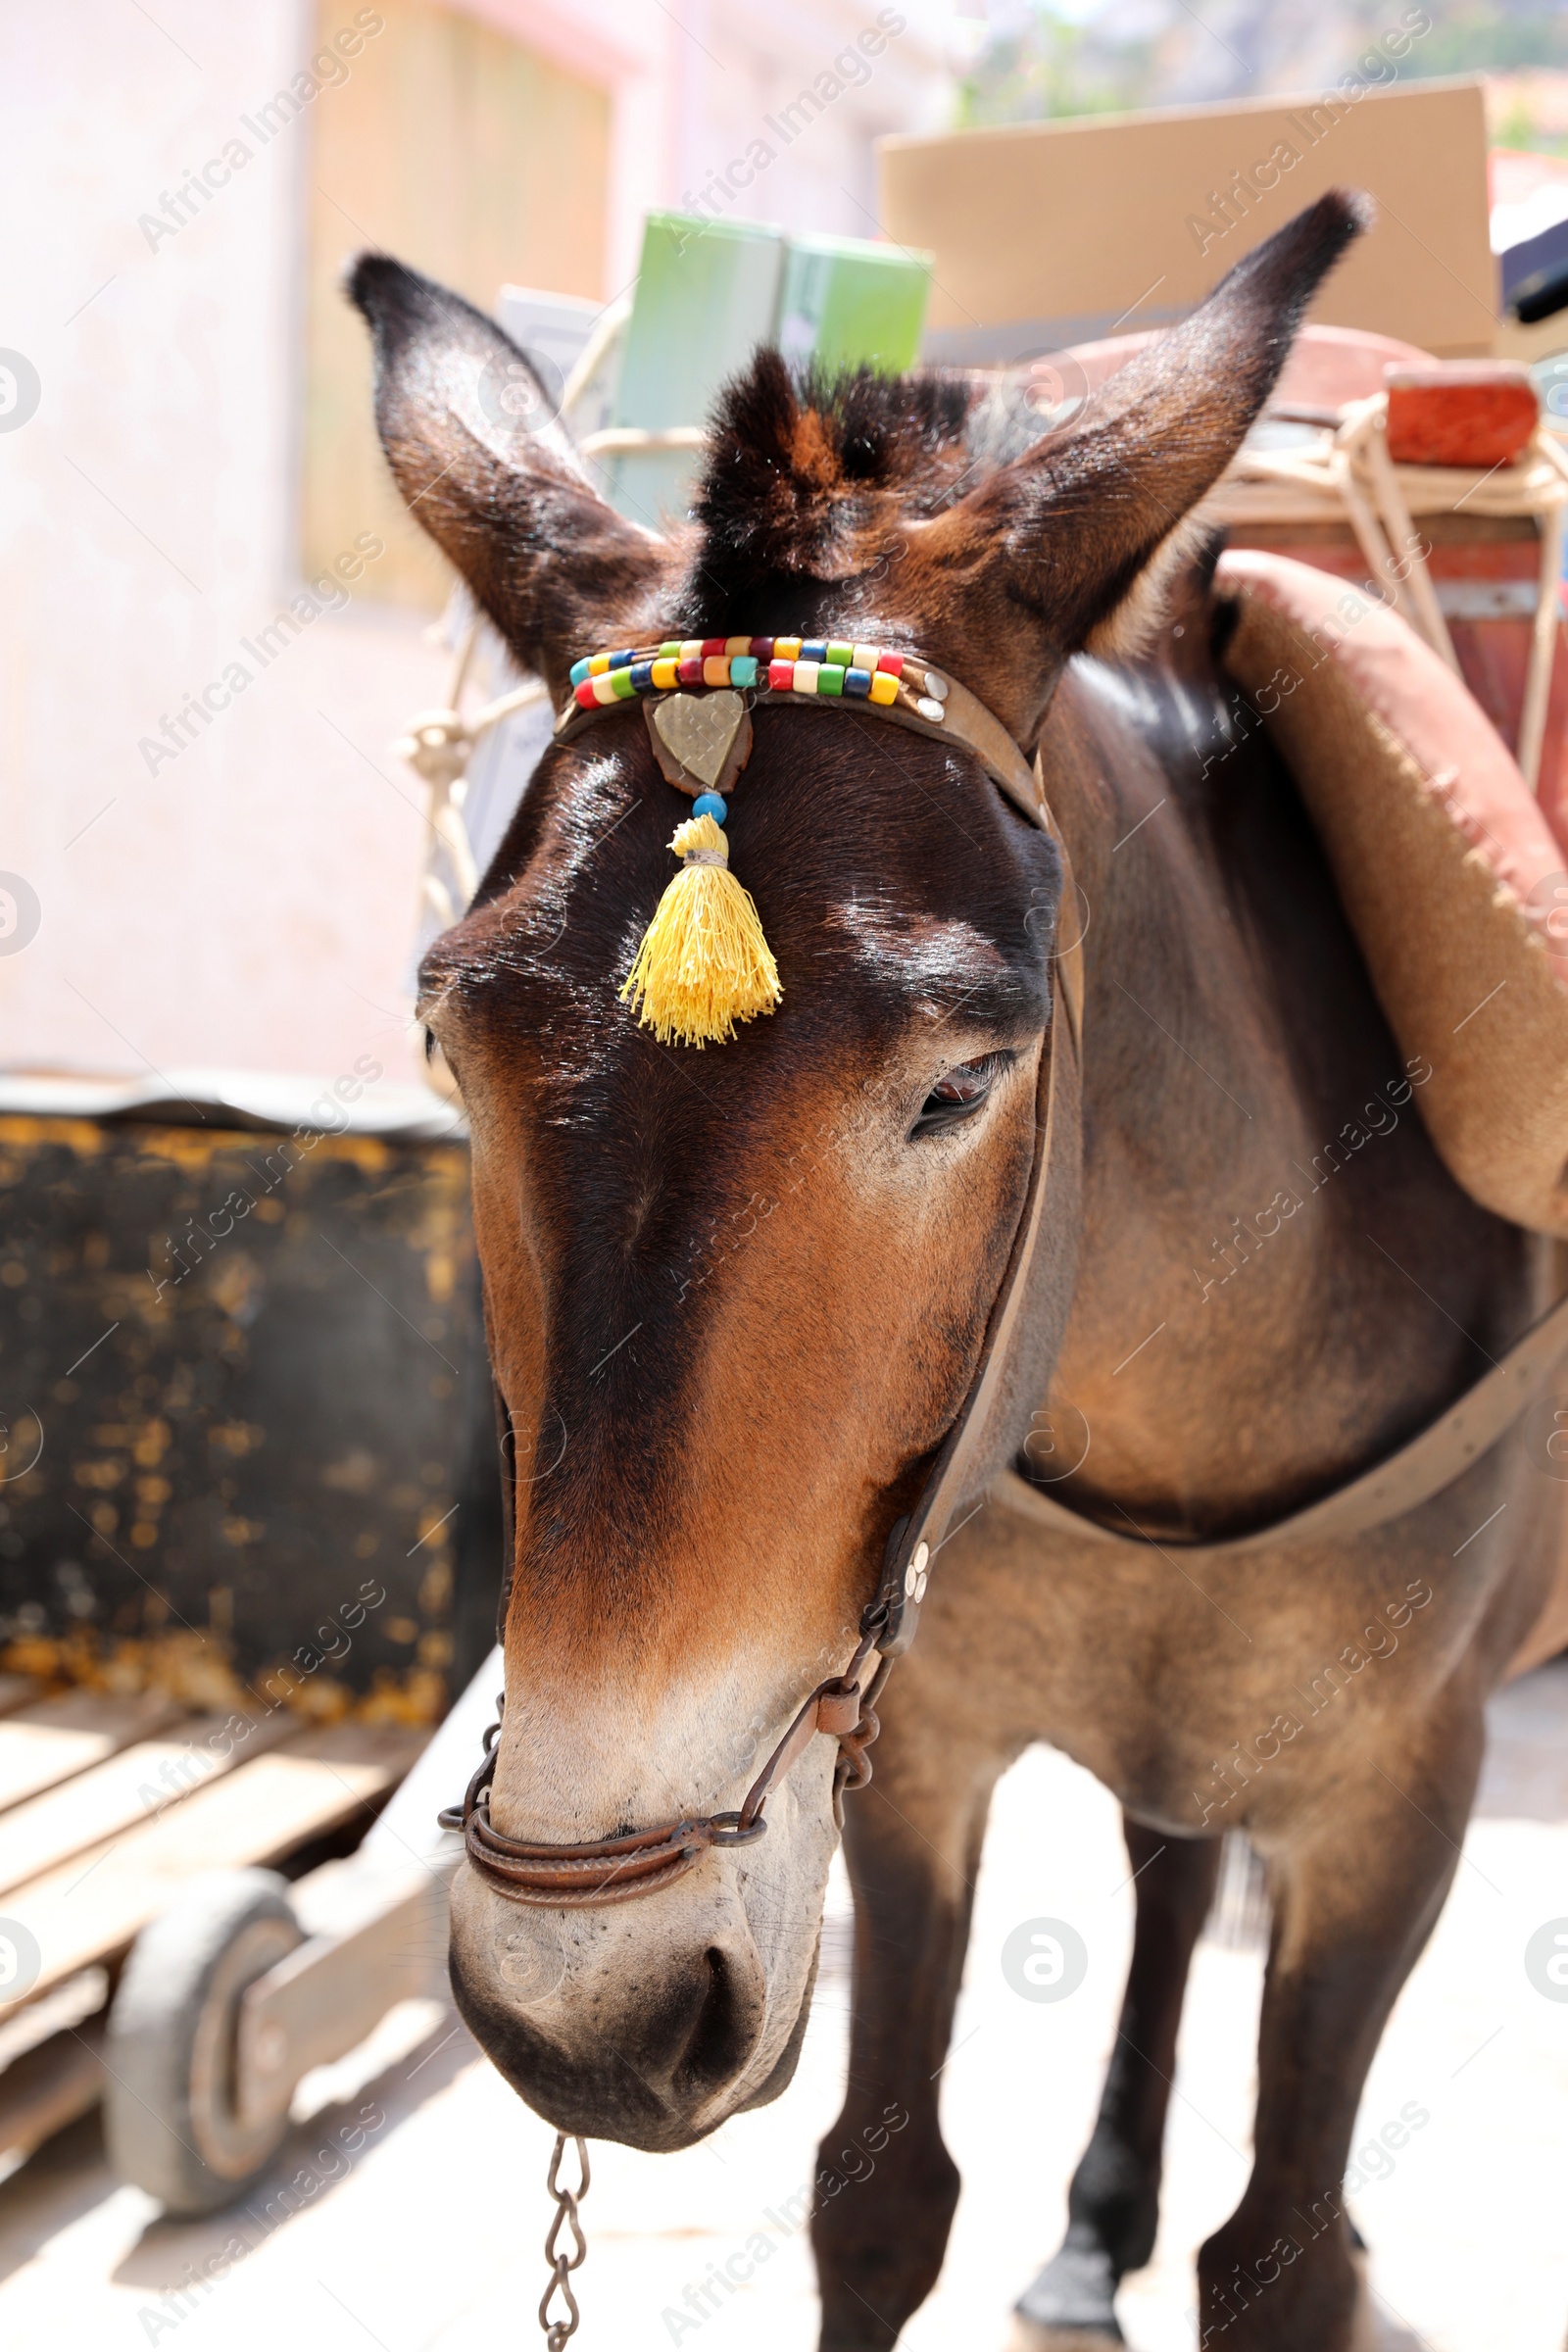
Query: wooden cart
[(142, 1855)]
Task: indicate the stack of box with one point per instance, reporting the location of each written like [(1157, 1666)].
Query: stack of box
[(708, 293)]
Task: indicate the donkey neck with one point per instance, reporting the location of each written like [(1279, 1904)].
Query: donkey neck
[(1278, 1279)]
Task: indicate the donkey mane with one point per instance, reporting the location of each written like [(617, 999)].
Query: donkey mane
[(807, 470)]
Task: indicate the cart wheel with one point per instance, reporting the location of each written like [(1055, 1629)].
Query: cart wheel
[(169, 2100)]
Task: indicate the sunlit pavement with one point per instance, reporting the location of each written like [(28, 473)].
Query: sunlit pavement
[(427, 2237)]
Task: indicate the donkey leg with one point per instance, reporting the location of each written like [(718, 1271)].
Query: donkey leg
[(886, 2187), (1354, 1903), (1113, 2203)]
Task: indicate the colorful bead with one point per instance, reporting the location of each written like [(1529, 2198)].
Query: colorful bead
[(711, 803), (831, 666)]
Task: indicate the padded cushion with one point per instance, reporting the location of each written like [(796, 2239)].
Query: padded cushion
[(1452, 880)]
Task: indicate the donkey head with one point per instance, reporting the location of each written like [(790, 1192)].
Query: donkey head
[(736, 1298)]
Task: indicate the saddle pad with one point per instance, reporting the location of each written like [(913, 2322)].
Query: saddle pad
[(1452, 880)]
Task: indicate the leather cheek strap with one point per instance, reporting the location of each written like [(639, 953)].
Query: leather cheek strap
[(955, 1475)]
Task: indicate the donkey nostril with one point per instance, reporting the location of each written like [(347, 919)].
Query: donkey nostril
[(721, 2038)]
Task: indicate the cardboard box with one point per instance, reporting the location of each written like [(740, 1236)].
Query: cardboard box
[(1058, 232)]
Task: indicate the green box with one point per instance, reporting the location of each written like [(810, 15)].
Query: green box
[(708, 293), (845, 303), (706, 296)]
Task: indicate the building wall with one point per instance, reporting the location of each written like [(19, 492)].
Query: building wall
[(248, 898)]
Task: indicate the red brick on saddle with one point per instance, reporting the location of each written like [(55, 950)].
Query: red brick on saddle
[(1475, 412)]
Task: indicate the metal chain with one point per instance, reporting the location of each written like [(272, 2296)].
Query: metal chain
[(563, 2265)]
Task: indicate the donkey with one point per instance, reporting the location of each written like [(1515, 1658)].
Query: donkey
[(735, 1297)]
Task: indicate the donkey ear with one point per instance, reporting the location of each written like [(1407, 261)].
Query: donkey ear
[(485, 465), (1077, 519)]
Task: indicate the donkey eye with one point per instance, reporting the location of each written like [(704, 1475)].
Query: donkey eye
[(960, 1093)]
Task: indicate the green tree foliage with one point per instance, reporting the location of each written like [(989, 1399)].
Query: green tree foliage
[(1039, 61)]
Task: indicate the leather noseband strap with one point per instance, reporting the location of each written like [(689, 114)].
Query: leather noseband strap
[(616, 1869)]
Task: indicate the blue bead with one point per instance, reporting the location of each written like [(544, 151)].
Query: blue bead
[(579, 670), (623, 660), (642, 678), (857, 681), (815, 649), (708, 803)]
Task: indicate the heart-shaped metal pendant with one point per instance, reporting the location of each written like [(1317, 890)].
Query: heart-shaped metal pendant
[(702, 741)]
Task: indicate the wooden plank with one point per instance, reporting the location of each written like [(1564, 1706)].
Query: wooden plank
[(47, 2089), (131, 1788), (16, 1690), (54, 1738), (335, 1989), (91, 1907), (70, 2004)]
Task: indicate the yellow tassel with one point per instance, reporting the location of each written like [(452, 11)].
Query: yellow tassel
[(704, 963)]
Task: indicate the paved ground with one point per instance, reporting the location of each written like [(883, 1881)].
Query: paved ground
[(422, 2235)]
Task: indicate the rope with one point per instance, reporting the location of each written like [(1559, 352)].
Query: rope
[(438, 746), (1346, 476), (1349, 476), (616, 438)]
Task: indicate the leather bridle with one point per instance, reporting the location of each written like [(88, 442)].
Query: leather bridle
[(617, 1870)]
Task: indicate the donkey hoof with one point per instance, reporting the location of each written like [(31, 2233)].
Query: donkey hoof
[(1071, 2306)]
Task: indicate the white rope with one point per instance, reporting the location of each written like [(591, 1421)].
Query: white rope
[(1349, 476), (619, 438), (609, 323), (438, 746)]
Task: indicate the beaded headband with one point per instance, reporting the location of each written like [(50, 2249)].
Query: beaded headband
[(821, 665), (703, 962)]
